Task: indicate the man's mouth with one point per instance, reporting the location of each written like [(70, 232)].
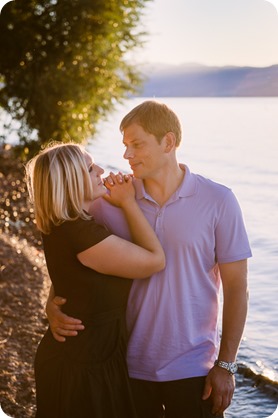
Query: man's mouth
[(134, 165)]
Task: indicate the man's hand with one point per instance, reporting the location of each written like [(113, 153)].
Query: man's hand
[(220, 386), (61, 325)]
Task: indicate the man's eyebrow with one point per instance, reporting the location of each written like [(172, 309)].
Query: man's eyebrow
[(133, 140)]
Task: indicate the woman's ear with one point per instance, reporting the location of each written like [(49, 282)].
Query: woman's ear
[(170, 141)]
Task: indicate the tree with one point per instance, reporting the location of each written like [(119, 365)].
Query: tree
[(63, 64)]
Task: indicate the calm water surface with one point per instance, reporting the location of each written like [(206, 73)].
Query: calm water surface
[(233, 141)]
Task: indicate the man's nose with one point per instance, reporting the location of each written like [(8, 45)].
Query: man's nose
[(128, 153)]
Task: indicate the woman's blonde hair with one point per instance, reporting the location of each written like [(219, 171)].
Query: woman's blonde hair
[(58, 183)]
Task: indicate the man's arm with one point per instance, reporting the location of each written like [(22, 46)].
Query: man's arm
[(219, 383), (61, 325)]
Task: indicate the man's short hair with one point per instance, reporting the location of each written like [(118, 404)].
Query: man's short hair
[(155, 118)]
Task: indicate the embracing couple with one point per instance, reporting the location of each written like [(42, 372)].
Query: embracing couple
[(147, 347)]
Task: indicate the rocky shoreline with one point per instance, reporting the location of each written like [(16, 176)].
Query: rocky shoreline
[(23, 290)]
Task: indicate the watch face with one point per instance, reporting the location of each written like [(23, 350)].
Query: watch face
[(233, 367)]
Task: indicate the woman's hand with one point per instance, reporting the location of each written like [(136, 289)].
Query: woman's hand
[(121, 189)]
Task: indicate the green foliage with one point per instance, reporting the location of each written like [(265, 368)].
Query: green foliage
[(63, 64)]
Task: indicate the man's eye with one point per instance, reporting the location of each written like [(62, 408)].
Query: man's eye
[(90, 169)]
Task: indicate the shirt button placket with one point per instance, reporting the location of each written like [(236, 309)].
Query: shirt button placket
[(159, 218)]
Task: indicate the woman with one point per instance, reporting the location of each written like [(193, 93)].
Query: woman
[(87, 376)]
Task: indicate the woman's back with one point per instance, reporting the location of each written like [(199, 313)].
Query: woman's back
[(87, 291)]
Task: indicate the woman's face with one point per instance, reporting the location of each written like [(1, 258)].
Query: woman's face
[(95, 173)]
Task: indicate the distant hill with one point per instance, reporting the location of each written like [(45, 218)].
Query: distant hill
[(194, 80)]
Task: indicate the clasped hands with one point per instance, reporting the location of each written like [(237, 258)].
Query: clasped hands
[(121, 189), (119, 178)]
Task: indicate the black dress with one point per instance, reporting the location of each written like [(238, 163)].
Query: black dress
[(86, 376)]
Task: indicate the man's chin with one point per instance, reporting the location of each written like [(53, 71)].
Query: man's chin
[(136, 172), (137, 175)]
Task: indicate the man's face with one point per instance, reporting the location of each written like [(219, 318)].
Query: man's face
[(143, 152)]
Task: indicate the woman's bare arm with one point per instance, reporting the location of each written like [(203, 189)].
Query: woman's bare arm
[(116, 256)]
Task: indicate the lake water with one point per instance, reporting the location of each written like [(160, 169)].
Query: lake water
[(233, 141)]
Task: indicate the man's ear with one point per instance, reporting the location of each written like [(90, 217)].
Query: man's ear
[(170, 141)]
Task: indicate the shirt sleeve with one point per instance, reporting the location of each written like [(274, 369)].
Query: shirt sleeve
[(232, 243), (85, 234)]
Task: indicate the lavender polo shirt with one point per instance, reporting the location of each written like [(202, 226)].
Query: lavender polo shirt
[(172, 316)]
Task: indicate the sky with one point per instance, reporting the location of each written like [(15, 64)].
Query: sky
[(211, 32)]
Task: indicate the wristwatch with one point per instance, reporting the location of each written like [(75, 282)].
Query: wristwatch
[(230, 367)]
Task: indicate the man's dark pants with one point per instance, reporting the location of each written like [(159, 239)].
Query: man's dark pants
[(173, 399)]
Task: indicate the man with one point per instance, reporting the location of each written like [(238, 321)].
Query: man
[(174, 357)]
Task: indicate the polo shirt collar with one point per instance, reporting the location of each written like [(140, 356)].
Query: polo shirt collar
[(186, 189), (189, 184)]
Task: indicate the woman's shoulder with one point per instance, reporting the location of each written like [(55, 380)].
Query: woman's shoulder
[(80, 224), (78, 234), (84, 233)]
